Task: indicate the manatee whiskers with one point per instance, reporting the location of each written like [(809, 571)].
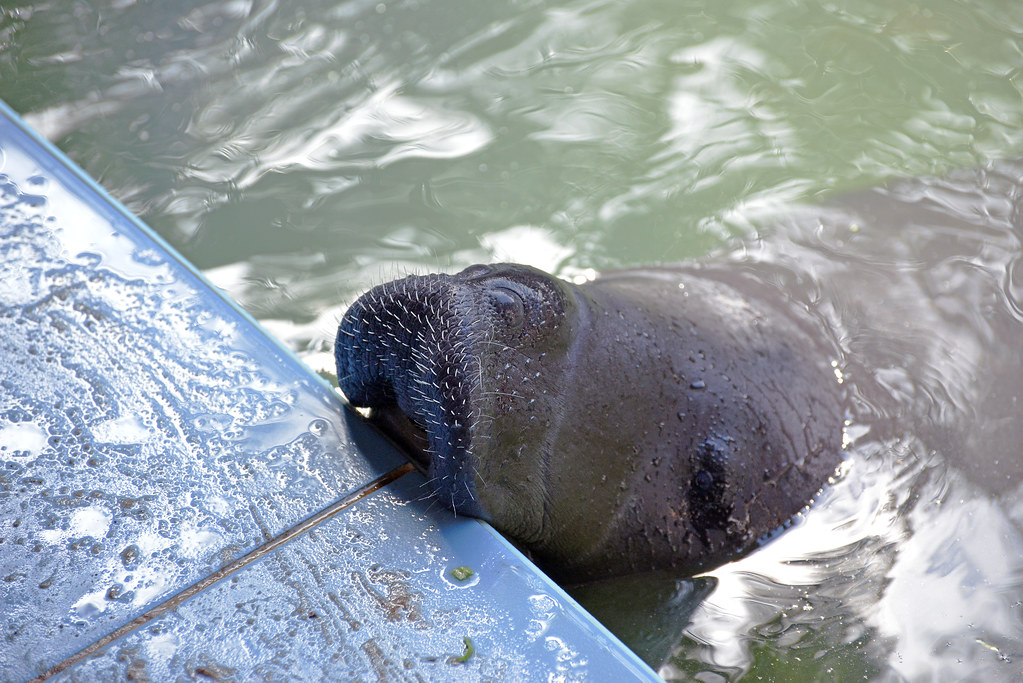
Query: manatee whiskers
[(428, 496), (502, 393), (498, 346)]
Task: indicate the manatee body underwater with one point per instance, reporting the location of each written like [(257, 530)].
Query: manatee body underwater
[(652, 420)]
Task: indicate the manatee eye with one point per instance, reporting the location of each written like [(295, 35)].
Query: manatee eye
[(509, 306)]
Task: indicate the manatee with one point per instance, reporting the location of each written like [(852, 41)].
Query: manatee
[(650, 420)]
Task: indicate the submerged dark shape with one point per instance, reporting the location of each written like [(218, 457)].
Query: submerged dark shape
[(654, 420)]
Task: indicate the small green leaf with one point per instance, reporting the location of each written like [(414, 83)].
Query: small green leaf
[(469, 650), (462, 573)]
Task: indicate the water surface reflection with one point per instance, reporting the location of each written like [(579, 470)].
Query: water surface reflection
[(911, 565)]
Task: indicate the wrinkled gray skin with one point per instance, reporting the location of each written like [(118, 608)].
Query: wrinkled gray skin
[(657, 420)]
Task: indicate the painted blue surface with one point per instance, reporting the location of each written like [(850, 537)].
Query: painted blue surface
[(151, 435), (372, 593)]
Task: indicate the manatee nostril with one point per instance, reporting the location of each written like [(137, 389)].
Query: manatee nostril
[(509, 305)]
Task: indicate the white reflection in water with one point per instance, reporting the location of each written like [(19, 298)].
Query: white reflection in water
[(954, 596), (781, 576), (528, 245)]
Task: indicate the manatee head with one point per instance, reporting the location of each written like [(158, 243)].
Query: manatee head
[(649, 420), (465, 370)]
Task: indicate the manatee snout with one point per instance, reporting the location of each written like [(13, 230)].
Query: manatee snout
[(407, 348), (431, 355), (576, 418)]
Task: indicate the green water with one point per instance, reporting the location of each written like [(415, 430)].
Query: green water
[(299, 152)]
